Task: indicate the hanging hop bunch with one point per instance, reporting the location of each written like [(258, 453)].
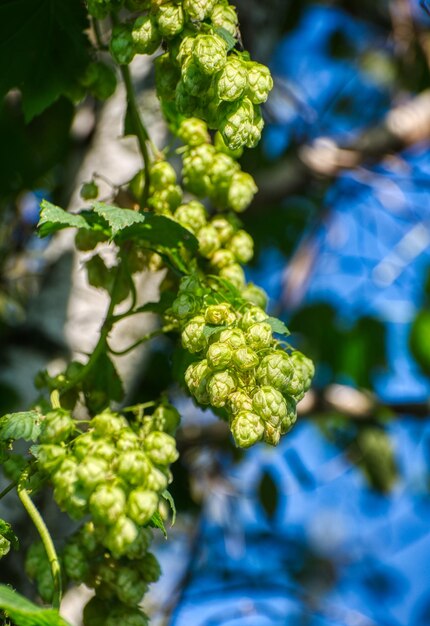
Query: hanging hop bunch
[(200, 74), (115, 472), (240, 366)]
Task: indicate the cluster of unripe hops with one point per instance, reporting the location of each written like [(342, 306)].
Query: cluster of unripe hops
[(240, 366), (115, 473), (200, 74)]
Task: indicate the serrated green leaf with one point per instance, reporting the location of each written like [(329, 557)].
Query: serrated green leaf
[(156, 521), (209, 330), (53, 218), (24, 425), (43, 50), (228, 37), (278, 326), (7, 531), (118, 218), (160, 231), (25, 613), (168, 496)]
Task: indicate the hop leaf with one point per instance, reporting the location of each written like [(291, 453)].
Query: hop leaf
[(122, 45)]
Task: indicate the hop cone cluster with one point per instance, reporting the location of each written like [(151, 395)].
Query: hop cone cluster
[(113, 474), (200, 74), (240, 366)]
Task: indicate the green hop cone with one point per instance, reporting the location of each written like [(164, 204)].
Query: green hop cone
[(241, 191), (165, 201), (49, 457), (57, 426), (107, 504), (222, 258), (149, 568), (158, 479), (234, 338), (198, 9), (234, 274), (120, 536), (224, 229), (269, 403), (162, 175), (208, 241), (197, 163), (193, 132), (101, 8), (107, 424), (220, 314), (290, 418), (210, 53), (141, 505), (255, 129), (195, 81), (247, 429), (235, 121), (95, 612), (181, 49), (196, 377), (276, 369), (260, 82), (221, 146), (242, 246), (219, 356), (170, 19), (75, 562), (251, 316), (255, 295), (121, 45), (272, 434), (245, 358), (161, 448), (219, 387), (129, 586), (259, 335), (92, 472), (139, 547), (167, 76), (301, 377), (4, 546), (89, 191), (224, 15), (239, 401), (191, 215), (193, 337), (186, 305), (133, 466), (127, 440), (232, 80), (145, 35)]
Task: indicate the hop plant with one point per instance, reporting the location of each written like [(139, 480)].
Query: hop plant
[(210, 53)]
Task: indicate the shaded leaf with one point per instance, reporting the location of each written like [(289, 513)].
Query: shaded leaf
[(168, 496), (53, 218), (156, 521), (228, 37), (420, 340), (102, 384), (24, 425), (25, 613), (278, 326), (43, 50)]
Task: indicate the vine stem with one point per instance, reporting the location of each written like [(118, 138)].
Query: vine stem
[(154, 333), (7, 489), (43, 531)]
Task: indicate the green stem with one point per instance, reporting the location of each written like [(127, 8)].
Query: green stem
[(43, 531), (139, 129), (7, 489), (155, 333)]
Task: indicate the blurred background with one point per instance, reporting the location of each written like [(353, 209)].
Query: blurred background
[(332, 527)]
